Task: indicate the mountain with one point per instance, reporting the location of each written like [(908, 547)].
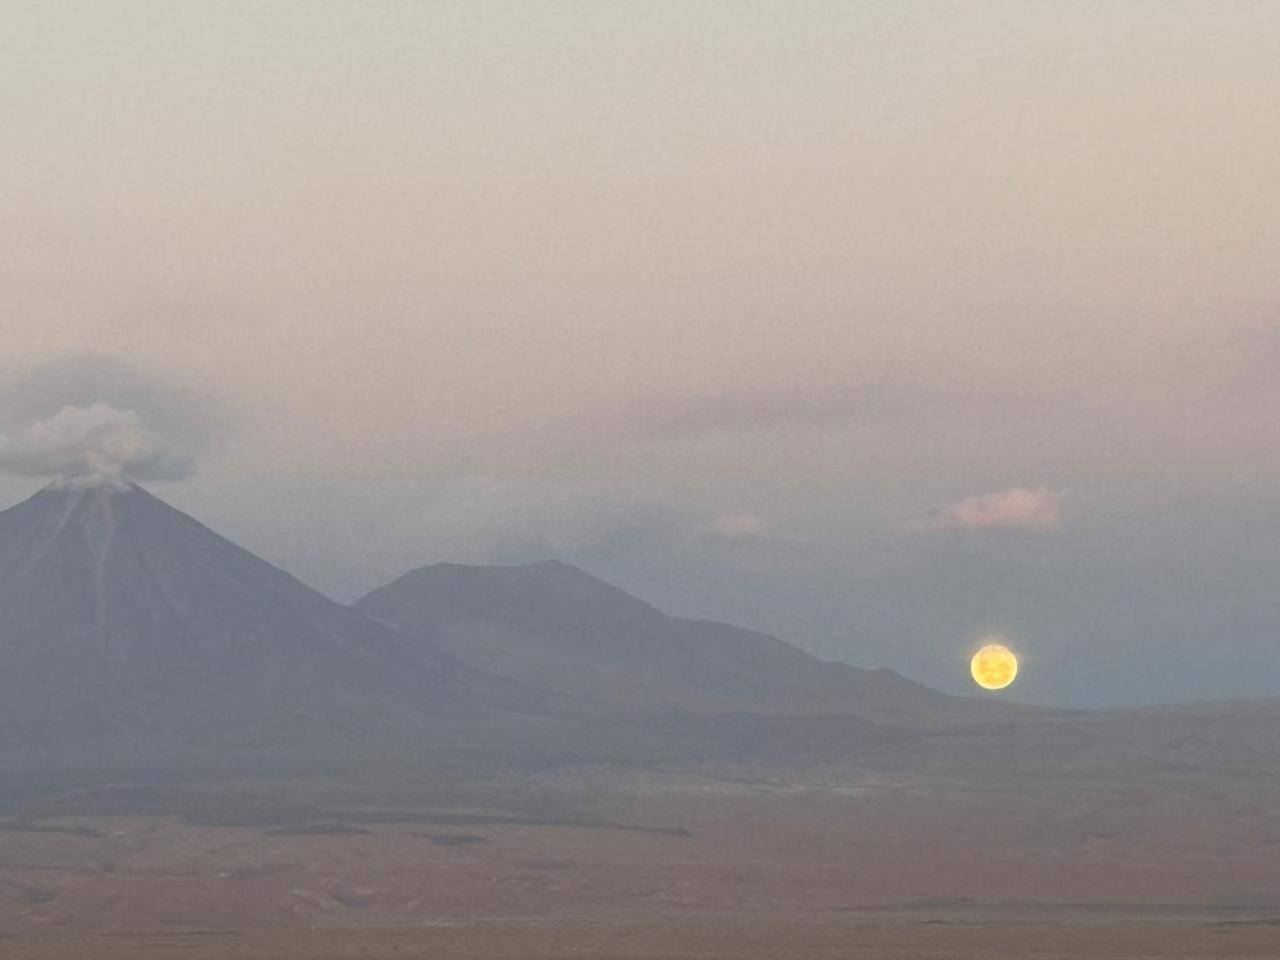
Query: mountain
[(123, 619), (553, 626)]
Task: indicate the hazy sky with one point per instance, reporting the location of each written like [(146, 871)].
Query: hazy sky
[(880, 326)]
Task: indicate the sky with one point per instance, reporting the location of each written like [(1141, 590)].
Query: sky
[(885, 327)]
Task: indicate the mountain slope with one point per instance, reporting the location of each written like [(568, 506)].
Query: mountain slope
[(555, 626), (123, 618)]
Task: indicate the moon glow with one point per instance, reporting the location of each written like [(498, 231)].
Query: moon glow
[(994, 667)]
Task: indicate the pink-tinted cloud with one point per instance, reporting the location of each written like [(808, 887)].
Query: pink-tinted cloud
[(1017, 508)]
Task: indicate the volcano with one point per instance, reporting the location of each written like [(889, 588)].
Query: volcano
[(123, 619)]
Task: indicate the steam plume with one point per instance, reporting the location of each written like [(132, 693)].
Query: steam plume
[(89, 419), (85, 446)]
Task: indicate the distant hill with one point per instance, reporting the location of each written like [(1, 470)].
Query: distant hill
[(552, 625)]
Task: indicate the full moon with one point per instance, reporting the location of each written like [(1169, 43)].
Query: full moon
[(994, 667)]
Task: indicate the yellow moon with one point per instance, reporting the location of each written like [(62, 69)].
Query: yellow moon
[(994, 667)]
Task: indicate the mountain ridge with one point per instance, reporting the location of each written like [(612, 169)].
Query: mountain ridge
[(554, 625)]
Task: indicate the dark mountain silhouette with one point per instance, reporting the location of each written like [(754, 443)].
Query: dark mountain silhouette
[(123, 619), (554, 626)]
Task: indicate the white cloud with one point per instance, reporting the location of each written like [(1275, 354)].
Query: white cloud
[(1017, 508)]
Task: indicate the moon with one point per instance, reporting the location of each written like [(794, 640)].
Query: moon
[(994, 667)]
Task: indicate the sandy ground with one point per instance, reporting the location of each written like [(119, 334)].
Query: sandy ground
[(1111, 940), (815, 859)]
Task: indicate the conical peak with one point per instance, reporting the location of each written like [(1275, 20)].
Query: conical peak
[(122, 616), (57, 509), (86, 487), (71, 496), (98, 489), (97, 481)]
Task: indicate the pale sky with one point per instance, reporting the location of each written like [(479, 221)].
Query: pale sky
[(880, 326)]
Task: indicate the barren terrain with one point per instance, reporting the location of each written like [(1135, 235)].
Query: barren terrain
[(648, 848), (1111, 940)]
